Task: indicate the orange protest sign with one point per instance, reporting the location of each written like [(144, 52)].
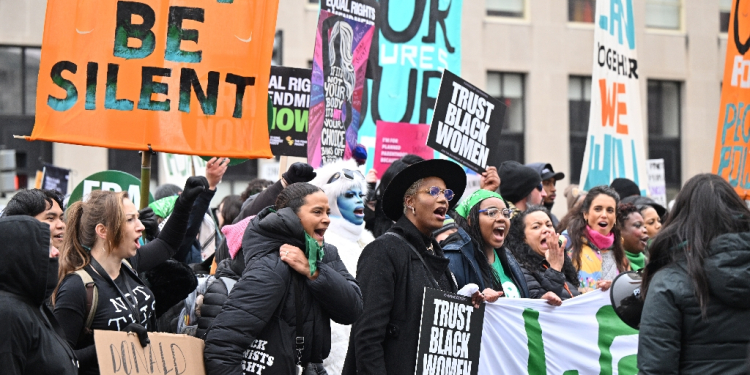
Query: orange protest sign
[(183, 76), (733, 130)]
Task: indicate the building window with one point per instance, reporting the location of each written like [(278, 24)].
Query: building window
[(663, 14), (509, 88), (664, 122), (19, 68), (506, 8), (725, 7), (579, 108), (277, 59), (581, 10)]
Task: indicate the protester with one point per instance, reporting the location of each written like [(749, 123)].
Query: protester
[(166, 190), (448, 229), (652, 212), (32, 341), (255, 186), (346, 189), (297, 172), (478, 255), (45, 206), (634, 235), (228, 210), (546, 268), (549, 179), (696, 285), (394, 269), (289, 272), (596, 245), (625, 188), (101, 243), (376, 221), (521, 186), (573, 194)]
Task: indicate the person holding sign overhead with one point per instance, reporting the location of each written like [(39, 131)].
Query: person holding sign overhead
[(394, 269), (101, 248)]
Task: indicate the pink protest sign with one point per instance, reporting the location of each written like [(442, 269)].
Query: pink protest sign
[(394, 140)]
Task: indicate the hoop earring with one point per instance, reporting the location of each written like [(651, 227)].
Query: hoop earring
[(413, 211)]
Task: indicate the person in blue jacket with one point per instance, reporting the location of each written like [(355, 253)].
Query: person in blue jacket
[(476, 250)]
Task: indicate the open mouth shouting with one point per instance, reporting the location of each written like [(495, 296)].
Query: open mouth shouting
[(643, 241), (440, 213), (603, 224), (359, 212), (319, 233), (499, 232), (137, 242)]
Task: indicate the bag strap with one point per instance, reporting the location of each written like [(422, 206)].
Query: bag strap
[(92, 299), (299, 341), (413, 249)]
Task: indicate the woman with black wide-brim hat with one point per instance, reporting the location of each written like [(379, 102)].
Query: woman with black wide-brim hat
[(394, 269)]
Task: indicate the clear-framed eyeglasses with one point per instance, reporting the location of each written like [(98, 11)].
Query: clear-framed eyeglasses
[(494, 212)]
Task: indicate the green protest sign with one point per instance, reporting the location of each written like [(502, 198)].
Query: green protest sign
[(109, 180)]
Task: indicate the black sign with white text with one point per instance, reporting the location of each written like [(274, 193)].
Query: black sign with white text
[(289, 91), (466, 124), (450, 335)]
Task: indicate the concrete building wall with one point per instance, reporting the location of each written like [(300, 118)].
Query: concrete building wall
[(544, 46)]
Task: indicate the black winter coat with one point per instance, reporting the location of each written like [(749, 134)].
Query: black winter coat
[(541, 278), (216, 293), (465, 266), (262, 304), (392, 278), (674, 339), (32, 342)]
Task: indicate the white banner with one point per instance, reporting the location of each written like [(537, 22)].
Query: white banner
[(657, 188), (584, 336), (174, 169), (614, 144)]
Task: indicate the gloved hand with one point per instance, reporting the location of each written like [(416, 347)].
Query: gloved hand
[(194, 186), (298, 172), (148, 218), (140, 331)]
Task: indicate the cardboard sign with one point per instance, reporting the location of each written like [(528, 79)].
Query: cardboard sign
[(450, 334), (55, 178), (182, 77), (120, 353), (657, 187), (467, 124), (289, 90), (116, 181), (410, 61), (395, 140), (614, 144), (732, 140), (342, 46)]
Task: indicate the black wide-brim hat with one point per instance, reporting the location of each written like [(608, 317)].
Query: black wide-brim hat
[(450, 172)]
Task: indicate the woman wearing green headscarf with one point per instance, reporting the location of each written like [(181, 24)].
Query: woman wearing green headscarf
[(278, 314), (476, 250)]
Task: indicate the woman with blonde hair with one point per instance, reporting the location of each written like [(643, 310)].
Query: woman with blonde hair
[(101, 256)]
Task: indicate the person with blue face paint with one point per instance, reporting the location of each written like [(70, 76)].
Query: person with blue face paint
[(352, 206), (346, 188)]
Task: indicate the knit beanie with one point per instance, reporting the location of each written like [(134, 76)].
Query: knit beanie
[(624, 187), (517, 180)]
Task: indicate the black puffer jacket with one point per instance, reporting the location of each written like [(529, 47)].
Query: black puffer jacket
[(256, 327), (384, 340), (32, 342), (541, 278), (216, 292), (673, 337)]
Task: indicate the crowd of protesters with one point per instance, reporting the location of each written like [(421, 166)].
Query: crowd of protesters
[(325, 268)]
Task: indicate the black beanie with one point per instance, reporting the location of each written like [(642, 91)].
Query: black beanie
[(625, 188), (517, 180)]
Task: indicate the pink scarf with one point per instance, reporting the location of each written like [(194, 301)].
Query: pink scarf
[(233, 233), (599, 240)]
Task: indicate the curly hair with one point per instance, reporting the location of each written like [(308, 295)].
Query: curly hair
[(623, 211), (525, 255)]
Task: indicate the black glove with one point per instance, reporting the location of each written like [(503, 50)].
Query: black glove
[(140, 331), (299, 172), (148, 218), (194, 186)]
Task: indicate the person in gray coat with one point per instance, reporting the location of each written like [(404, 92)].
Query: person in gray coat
[(696, 285)]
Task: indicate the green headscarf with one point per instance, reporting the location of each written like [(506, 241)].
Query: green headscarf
[(164, 207), (314, 252), (478, 196)]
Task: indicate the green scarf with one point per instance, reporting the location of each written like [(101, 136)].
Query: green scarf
[(164, 207), (314, 252), (637, 261)]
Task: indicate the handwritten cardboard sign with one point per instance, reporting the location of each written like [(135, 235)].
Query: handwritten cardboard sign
[(184, 77), (120, 353)]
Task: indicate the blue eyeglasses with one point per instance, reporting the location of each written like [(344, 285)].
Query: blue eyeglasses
[(435, 192)]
